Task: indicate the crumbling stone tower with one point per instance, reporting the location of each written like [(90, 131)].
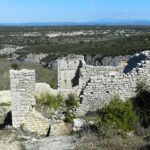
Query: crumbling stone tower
[(22, 85), (68, 71)]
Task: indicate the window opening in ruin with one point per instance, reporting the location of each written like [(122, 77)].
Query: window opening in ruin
[(65, 81), (107, 91), (7, 121)]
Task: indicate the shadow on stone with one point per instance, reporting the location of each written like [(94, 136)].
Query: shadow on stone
[(145, 147), (75, 80), (48, 132), (7, 121), (132, 63)]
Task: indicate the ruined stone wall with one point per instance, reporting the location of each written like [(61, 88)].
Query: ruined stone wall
[(97, 86), (67, 70), (87, 71), (22, 84), (103, 87)]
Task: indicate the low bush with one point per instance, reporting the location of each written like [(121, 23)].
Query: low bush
[(141, 103), (15, 66), (69, 117), (48, 100), (118, 115), (71, 101)]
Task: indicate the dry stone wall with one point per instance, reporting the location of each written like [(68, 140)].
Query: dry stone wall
[(96, 85), (103, 87), (87, 71), (24, 115), (22, 85), (67, 70)]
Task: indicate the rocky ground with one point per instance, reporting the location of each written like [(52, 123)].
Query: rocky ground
[(19, 139), (12, 139), (53, 143)]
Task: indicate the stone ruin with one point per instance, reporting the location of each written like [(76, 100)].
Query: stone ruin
[(96, 86), (23, 102), (68, 71)]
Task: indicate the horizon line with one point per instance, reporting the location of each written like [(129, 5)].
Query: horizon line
[(93, 21)]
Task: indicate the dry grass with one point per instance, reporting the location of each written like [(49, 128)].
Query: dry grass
[(111, 140), (42, 74)]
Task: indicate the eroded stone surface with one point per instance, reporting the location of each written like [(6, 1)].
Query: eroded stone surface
[(61, 128), (23, 102), (78, 124), (53, 143), (100, 84)]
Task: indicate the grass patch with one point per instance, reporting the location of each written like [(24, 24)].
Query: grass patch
[(48, 100), (42, 74), (71, 101), (71, 104), (5, 104)]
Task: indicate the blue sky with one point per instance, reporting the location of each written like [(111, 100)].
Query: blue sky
[(12, 11)]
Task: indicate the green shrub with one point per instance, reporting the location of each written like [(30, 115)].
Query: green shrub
[(71, 101), (69, 117), (141, 103), (118, 114), (15, 66), (48, 100)]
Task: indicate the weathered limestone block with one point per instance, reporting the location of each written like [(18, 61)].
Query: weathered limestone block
[(61, 128), (79, 124)]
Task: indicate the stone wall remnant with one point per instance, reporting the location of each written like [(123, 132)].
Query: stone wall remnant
[(23, 102), (22, 85), (68, 71), (99, 87)]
